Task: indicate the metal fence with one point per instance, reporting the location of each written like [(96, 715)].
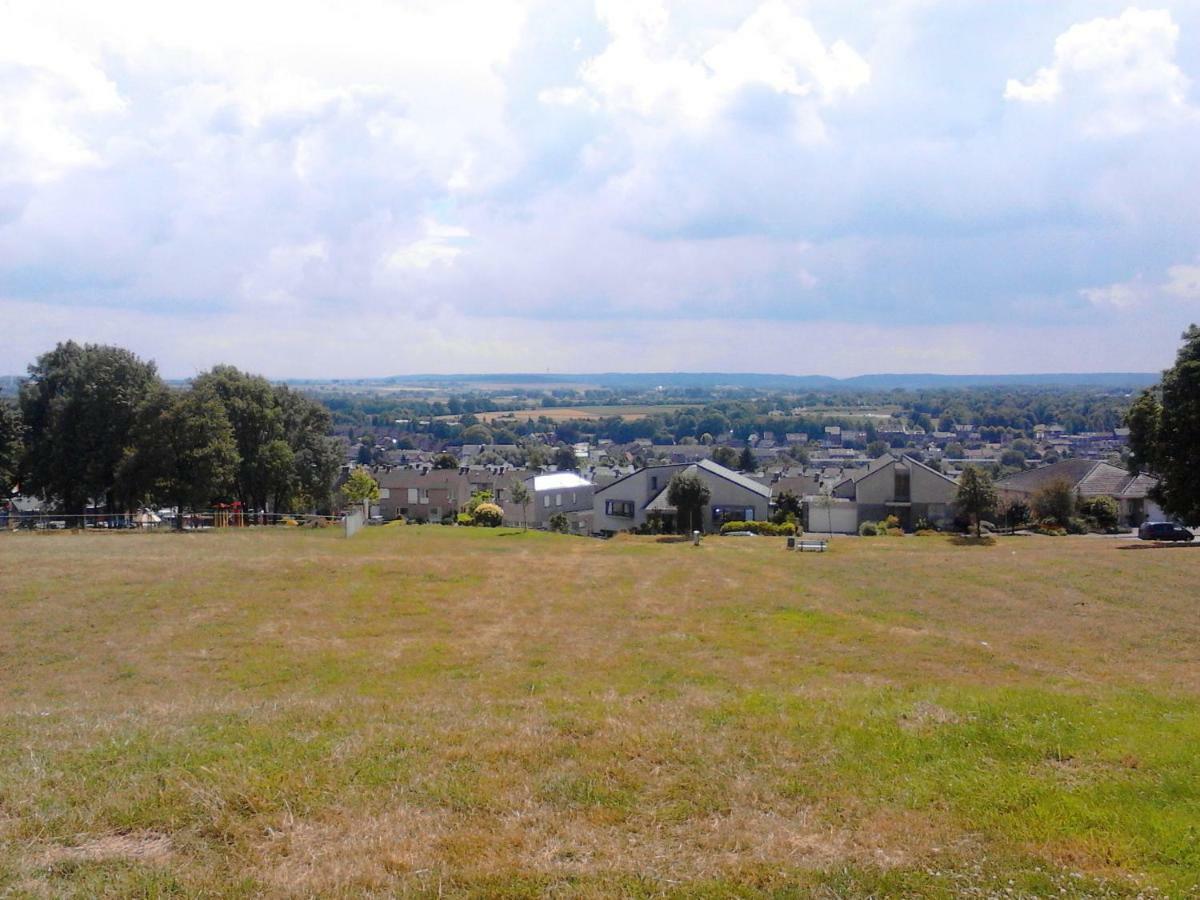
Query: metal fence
[(12, 521)]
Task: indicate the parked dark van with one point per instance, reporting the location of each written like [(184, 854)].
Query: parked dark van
[(1164, 531)]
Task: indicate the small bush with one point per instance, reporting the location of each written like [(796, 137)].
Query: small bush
[(464, 519), (923, 524), (560, 523), (1076, 525), (868, 529), (889, 524)]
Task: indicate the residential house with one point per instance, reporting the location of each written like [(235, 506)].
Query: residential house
[(890, 486), (629, 502), (568, 493), (421, 494)]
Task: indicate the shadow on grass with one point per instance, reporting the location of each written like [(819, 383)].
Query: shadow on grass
[(969, 540), (1160, 545)]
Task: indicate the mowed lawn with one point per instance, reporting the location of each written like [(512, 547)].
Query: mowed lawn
[(441, 711)]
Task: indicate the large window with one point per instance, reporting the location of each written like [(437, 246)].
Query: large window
[(723, 514), (622, 509)]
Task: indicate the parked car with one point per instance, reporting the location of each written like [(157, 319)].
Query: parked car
[(1164, 531)]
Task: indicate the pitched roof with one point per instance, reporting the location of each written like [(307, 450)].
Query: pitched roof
[(729, 475), (1072, 471), (1087, 476)]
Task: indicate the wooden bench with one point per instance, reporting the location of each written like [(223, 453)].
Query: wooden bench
[(815, 546)]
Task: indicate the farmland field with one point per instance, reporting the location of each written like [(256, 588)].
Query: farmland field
[(567, 414), (443, 711)]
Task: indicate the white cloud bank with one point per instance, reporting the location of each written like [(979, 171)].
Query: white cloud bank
[(1119, 75), (530, 184)]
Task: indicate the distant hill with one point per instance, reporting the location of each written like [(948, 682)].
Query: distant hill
[(647, 380)]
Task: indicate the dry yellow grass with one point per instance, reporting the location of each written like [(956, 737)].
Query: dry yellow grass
[(435, 710)]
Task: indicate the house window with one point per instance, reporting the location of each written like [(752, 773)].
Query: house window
[(412, 495), (558, 499), (622, 509), (902, 485), (654, 482), (546, 501)]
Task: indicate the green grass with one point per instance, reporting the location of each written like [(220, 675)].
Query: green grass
[(497, 713)]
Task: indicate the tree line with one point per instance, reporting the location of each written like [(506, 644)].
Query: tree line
[(95, 425)]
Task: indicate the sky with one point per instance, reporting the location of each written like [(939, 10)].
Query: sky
[(369, 187)]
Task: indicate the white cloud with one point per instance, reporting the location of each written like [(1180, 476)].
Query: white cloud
[(51, 90), (441, 245), (1181, 284), (1121, 296), (654, 72), (1119, 74)]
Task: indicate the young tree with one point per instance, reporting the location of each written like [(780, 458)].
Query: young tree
[(521, 496), (560, 523), (825, 502), (1015, 512), (787, 504), (688, 493), (746, 461), (361, 487), (1055, 501), (976, 494), (1164, 433)]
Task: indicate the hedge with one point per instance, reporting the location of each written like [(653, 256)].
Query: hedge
[(770, 529)]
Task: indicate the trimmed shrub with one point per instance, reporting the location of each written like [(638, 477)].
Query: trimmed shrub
[(1102, 512), (488, 515), (868, 529), (464, 519)]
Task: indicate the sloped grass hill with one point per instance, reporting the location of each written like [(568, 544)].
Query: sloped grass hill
[(428, 710)]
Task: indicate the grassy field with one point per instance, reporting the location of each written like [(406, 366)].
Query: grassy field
[(437, 711)]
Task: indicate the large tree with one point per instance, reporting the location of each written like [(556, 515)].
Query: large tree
[(186, 455), (688, 493), (250, 405), (976, 494), (11, 431), (81, 405), (285, 455), (1164, 433)]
